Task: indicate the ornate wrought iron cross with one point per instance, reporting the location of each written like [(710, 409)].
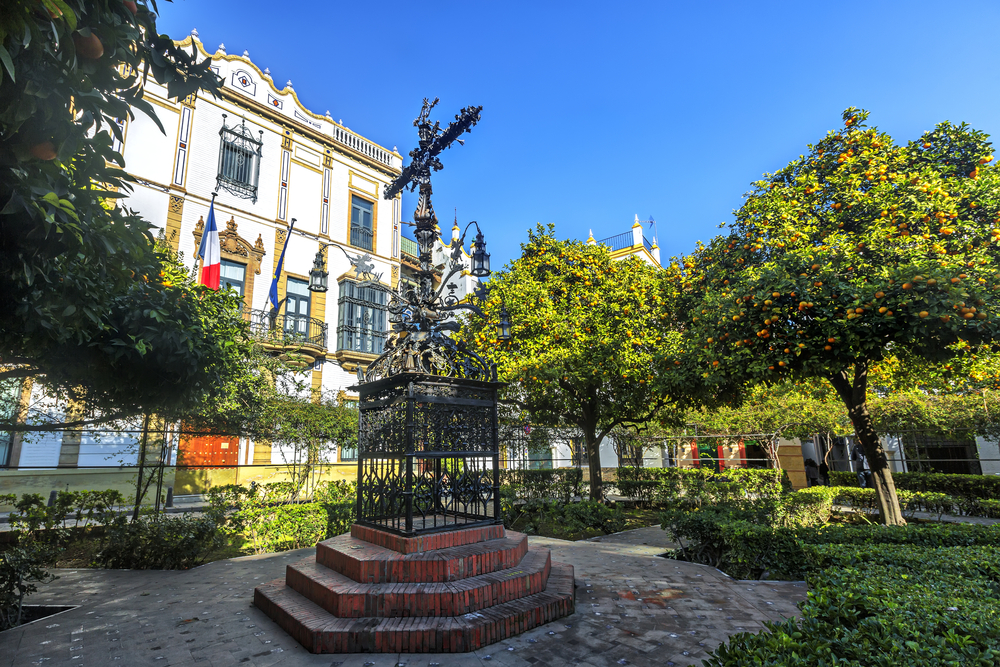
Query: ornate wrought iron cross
[(419, 341)]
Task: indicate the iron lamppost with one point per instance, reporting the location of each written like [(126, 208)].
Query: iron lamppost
[(428, 445)]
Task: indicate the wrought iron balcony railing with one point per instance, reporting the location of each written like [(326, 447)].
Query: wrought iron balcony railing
[(361, 237), (288, 330), (625, 240)]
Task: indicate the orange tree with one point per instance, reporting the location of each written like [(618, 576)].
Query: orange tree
[(83, 290), (855, 250), (586, 332)]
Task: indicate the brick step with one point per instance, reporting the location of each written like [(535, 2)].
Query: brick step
[(411, 545), (321, 632), (365, 562), (345, 598)]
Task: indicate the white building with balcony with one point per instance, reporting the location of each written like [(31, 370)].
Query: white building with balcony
[(631, 243)]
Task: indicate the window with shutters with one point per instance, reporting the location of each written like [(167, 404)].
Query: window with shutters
[(362, 320), (362, 225)]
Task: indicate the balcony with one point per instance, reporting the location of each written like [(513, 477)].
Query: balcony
[(625, 240), (300, 341), (361, 238), (410, 247)]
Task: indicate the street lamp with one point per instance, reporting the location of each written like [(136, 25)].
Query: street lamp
[(319, 278), (480, 258), (504, 325), (482, 293)]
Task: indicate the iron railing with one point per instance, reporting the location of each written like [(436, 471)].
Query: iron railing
[(361, 237), (288, 329), (625, 240)]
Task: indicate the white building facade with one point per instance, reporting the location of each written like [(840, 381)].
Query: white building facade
[(273, 161)]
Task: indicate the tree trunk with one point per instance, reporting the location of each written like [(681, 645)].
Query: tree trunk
[(855, 399), (594, 463)]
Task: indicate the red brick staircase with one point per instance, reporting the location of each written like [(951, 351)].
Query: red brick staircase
[(372, 591)]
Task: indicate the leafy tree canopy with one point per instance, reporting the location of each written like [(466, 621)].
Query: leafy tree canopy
[(87, 299), (587, 330), (859, 249)]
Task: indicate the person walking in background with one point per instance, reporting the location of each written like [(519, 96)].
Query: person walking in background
[(860, 462), (812, 473), (824, 473)]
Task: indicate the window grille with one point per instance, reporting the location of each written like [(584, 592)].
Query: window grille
[(361, 325), (239, 160)]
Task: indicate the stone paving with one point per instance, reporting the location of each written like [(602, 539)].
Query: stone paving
[(632, 608)]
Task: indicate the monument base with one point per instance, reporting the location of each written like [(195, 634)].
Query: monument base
[(448, 592)]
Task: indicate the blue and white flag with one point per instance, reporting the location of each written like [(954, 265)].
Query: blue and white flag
[(273, 294)]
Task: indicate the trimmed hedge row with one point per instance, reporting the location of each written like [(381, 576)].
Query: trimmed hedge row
[(885, 605), (865, 500), (559, 483), (983, 487), (768, 541), (659, 485)]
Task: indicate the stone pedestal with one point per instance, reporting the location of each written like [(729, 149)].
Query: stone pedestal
[(447, 592)]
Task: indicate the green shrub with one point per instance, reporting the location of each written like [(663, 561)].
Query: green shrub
[(761, 542), (885, 606), (840, 478), (590, 515), (291, 527), (22, 567), (965, 487), (687, 486), (561, 484), (807, 507), (989, 508), (336, 491), (265, 521), (575, 517), (157, 542)]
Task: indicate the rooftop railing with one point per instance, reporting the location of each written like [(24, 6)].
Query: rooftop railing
[(625, 240)]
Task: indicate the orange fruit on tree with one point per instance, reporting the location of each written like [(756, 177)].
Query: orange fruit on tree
[(923, 313), (44, 151), (88, 46)]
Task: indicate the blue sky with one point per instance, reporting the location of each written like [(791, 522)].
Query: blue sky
[(595, 112)]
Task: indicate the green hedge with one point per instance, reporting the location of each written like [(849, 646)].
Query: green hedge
[(969, 487), (884, 606), (664, 485), (561, 484), (768, 542), (865, 500)]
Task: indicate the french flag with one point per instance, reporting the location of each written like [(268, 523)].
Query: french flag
[(209, 252)]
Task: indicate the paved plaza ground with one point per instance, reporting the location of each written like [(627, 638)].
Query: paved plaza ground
[(632, 608)]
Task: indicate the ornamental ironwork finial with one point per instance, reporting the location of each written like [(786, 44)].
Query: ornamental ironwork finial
[(421, 316)]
